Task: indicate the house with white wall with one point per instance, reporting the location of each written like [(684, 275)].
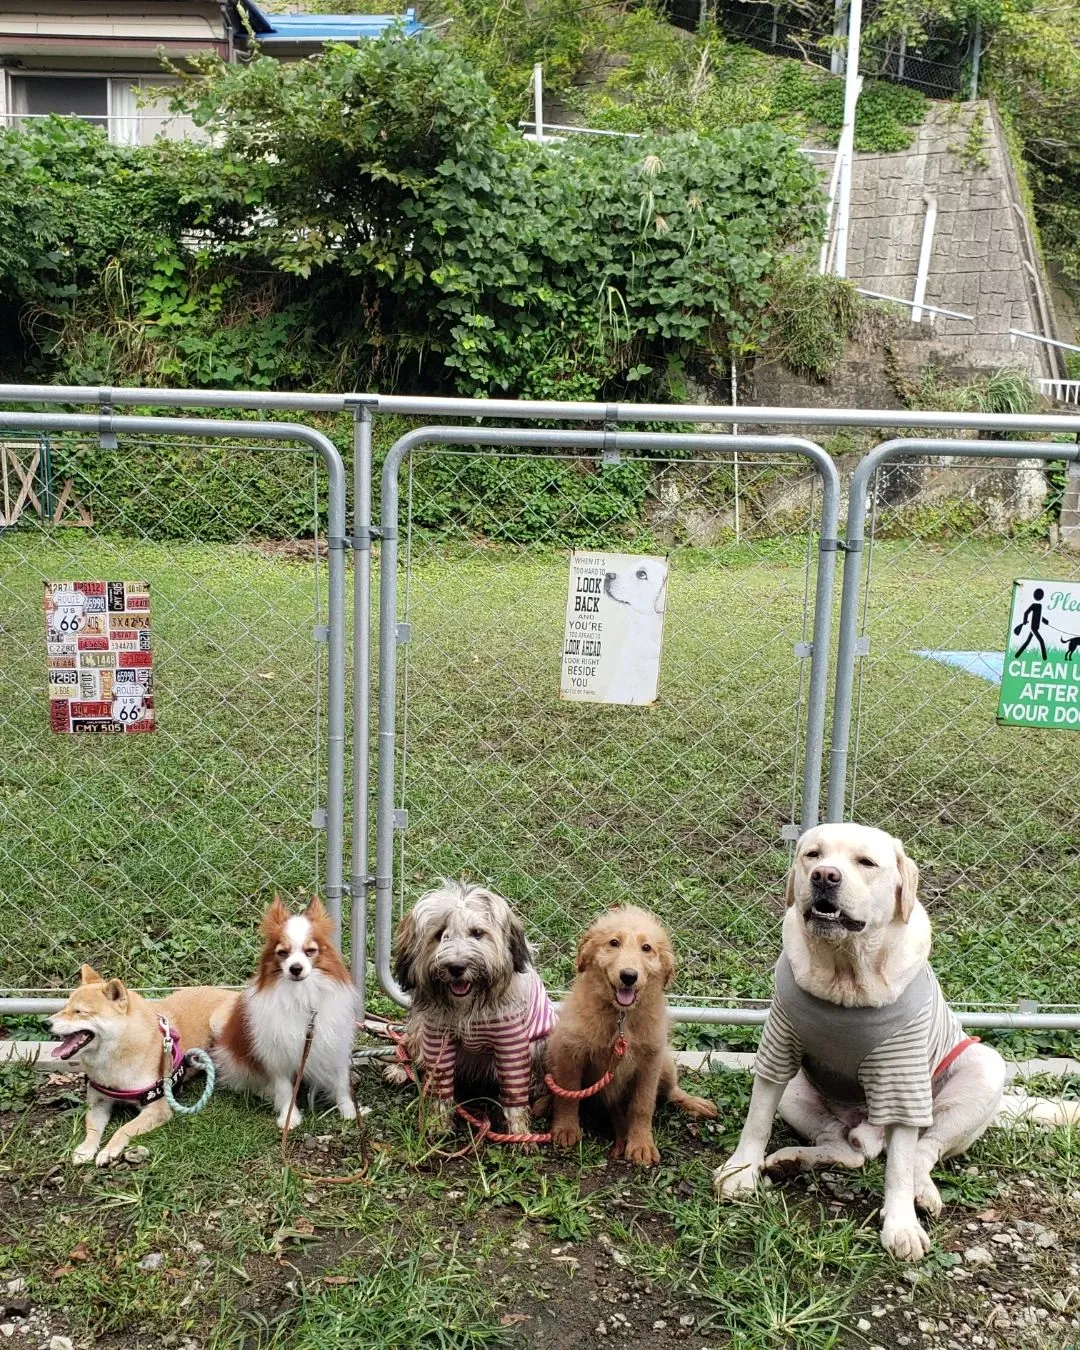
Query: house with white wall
[(101, 60)]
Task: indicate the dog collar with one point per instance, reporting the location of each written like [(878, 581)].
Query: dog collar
[(170, 1045)]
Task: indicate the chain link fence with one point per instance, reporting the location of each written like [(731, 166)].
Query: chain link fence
[(938, 67), (989, 812), (153, 856), (686, 807)]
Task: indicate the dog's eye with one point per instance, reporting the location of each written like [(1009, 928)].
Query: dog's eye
[(439, 935), (645, 947), (311, 951), (812, 853), (614, 942), (282, 953), (477, 933), (867, 862), (641, 574)]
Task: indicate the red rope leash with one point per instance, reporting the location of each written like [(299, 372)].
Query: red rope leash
[(617, 1052), (480, 1123)]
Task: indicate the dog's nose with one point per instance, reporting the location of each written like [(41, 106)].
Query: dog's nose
[(826, 876), (296, 968), (628, 977), (455, 972)]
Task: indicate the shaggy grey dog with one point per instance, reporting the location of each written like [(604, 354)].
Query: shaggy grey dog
[(480, 1015)]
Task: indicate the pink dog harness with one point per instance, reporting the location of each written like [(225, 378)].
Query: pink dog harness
[(144, 1096)]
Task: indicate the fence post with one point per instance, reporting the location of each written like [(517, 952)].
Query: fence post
[(360, 878)]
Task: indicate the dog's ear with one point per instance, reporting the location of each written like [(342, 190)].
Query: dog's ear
[(661, 597), (591, 941), (907, 885), (519, 945), (275, 917), (405, 952), (90, 976), (789, 888), (316, 911), (667, 959), (116, 993)]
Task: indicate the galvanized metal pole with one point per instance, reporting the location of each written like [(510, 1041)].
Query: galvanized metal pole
[(359, 878), (976, 55), (408, 405)]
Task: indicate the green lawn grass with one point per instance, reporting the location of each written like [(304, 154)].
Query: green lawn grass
[(153, 856)]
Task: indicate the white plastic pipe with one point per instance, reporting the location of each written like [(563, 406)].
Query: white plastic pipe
[(538, 101), (852, 89), (924, 258)]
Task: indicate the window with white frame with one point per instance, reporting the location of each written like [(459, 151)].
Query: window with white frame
[(134, 110)]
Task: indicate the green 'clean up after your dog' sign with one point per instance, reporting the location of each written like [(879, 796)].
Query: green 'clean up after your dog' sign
[(1040, 680)]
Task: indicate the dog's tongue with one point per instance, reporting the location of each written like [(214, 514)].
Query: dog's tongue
[(624, 997), (460, 987), (69, 1045)]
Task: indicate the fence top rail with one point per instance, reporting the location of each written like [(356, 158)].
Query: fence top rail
[(183, 426), (552, 439), (551, 410), (903, 447)]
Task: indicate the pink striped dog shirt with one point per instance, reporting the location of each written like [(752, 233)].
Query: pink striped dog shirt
[(508, 1038)]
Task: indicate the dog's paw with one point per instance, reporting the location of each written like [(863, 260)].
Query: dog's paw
[(701, 1106), (518, 1120), (109, 1154), (347, 1108), (397, 1074), (642, 1152), (927, 1195), (785, 1162), (84, 1154), (566, 1136), (293, 1119), (735, 1178), (904, 1238)]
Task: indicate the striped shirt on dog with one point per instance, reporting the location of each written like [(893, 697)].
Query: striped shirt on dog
[(508, 1038), (882, 1059)]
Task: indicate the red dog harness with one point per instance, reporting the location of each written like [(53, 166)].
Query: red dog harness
[(954, 1054), (144, 1096)]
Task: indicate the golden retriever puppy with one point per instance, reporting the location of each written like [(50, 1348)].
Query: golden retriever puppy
[(624, 962)]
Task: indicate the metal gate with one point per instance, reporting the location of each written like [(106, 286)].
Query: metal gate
[(153, 856), (687, 807), (989, 812)]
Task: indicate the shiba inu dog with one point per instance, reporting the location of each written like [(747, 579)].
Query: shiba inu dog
[(119, 1039)]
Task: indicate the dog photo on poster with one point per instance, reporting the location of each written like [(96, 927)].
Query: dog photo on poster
[(614, 628), (99, 656)]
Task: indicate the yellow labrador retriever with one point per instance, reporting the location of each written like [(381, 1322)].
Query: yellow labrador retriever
[(860, 1050)]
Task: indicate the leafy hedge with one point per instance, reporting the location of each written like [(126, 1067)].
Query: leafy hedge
[(369, 218)]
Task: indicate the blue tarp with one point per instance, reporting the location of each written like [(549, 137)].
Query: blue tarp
[(315, 28), (986, 665)]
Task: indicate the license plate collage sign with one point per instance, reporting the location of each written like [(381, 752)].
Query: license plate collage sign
[(99, 654)]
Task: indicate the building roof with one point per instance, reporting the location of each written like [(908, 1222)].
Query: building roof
[(314, 29)]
